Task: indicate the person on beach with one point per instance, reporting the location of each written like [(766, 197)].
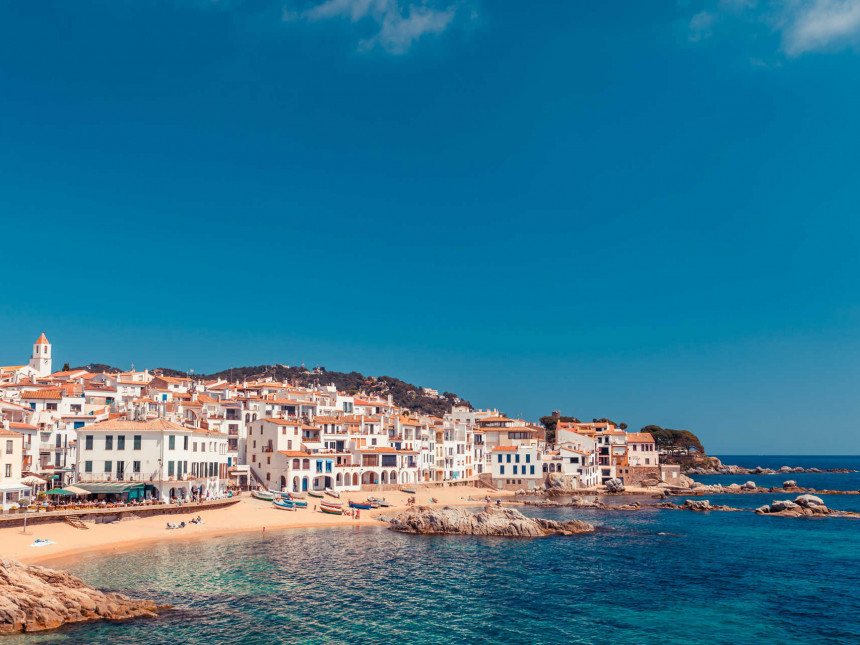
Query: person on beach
[(357, 514)]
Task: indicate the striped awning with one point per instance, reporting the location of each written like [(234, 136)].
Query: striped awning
[(108, 487)]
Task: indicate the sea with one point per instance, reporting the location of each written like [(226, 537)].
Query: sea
[(650, 576)]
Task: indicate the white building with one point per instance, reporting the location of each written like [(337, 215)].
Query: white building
[(40, 361), (11, 458), (515, 467), (158, 459)]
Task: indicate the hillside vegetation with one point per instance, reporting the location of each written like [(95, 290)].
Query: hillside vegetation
[(403, 394)]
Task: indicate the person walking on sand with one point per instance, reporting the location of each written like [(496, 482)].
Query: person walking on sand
[(357, 514), (264, 530)]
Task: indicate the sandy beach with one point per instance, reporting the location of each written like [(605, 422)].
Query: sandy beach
[(247, 516)]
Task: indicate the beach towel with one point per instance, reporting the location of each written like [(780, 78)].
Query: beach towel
[(42, 543)]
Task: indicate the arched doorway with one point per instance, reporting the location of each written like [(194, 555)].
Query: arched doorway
[(355, 479), (296, 484), (304, 483), (283, 483)]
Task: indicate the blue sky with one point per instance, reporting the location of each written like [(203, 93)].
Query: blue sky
[(646, 211)]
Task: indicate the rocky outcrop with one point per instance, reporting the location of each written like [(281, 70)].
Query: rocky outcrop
[(758, 470), (700, 505), (614, 485), (803, 505), (559, 483), (582, 502), (35, 599), (491, 521), (789, 483)]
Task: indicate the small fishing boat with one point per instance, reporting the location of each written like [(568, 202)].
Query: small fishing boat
[(266, 496), (384, 504), (284, 504), (408, 490), (332, 493), (331, 510), (366, 506), (298, 495), (330, 505), (299, 503), (315, 493)]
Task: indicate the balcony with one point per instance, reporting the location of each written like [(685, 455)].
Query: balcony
[(268, 449)]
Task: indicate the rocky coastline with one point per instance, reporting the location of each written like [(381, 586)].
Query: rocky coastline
[(758, 470), (34, 599), (492, 521)]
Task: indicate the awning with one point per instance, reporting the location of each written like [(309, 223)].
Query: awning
[(59, 491), (13, 486), (108, 487), (77, 491), (32, 480)]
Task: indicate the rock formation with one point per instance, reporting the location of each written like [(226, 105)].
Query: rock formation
[(614, 485), (35, 599), (491, 521), (559, 483)]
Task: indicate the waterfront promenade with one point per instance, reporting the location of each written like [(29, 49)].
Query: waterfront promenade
[(104, 514)]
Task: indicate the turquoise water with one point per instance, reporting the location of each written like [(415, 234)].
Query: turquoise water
[(662, 577)]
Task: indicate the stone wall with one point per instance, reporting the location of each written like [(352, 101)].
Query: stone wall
[(636, 475)]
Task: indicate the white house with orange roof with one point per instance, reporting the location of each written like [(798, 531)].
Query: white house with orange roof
[(40, 361), (154, 458), (516, 467)]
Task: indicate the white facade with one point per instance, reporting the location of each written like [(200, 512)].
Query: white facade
[(516, 467), (173, 461), (40, 361)]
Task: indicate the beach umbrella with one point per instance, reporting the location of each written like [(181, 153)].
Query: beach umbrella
[(32, 480), (59, 491), (77, 491)]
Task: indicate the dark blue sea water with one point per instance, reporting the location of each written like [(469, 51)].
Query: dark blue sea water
[(652, 576), (820, 481)]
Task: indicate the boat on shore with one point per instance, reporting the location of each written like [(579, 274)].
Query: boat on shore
[(284, 504), (408, 490), (266, 496), (331, 508), (297, 495), (298, 503), (365, 506), (315, 493), (332, 493)]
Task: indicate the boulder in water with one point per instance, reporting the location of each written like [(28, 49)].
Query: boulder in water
[(789, 483), (808, 501), (491, 521)]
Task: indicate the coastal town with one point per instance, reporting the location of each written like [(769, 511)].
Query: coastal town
[(143, 436)]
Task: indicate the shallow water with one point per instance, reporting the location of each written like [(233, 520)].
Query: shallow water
[(650, 576)]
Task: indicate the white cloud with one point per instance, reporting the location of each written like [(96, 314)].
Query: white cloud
[(398, 25), (700, 25), (822, 24), (802, 25)]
